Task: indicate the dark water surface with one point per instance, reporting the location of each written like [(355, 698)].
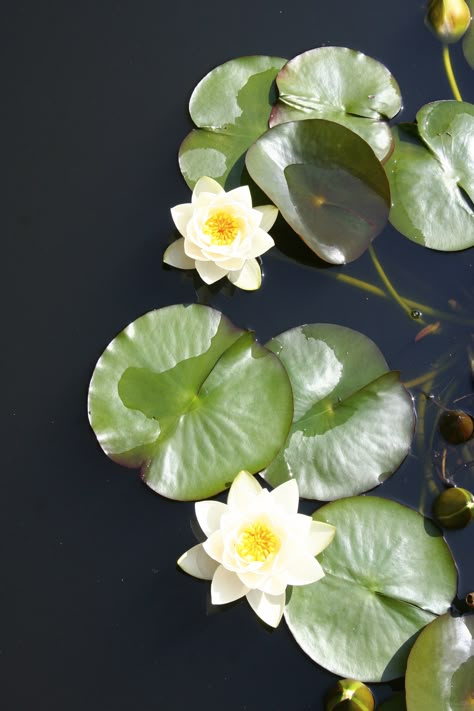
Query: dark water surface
[(94, 97)]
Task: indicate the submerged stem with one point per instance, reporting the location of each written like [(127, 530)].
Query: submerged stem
[(450, 74), (390, 288)]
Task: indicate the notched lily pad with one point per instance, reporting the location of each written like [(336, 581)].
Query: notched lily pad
[(440, 669), (432, 177), (327, 183), (191, 399), (388, 573), (352, 425), (231, 107), (342, 85)]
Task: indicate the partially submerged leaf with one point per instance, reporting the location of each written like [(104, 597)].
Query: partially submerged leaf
[(388, 573), (231, 107), (432, 177), (326, 182), (352, 425), (342, 85), (440, 669), (190, 399)]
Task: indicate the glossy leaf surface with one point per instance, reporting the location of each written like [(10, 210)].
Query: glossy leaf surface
[(326, 182), (440, 670), (388, 573), (341, 85), (190, 399), (231, 106), (432, 177), (352, 425)]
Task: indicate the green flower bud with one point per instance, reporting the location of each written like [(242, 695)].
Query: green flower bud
[(350, 695), (448, 19), (454, 508), (456, 426)]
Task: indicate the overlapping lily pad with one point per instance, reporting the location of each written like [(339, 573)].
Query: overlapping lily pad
[(342, 85), (327, 183), (440, 669), (231, 107), (388, 573), (353, 420), (431, 175), (191, 399)]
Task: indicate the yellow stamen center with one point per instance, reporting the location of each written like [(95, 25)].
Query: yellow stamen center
[(222, 227), (257, 542)]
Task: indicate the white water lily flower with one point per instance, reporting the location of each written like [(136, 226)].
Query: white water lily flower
[(222, 234), (256, 545)]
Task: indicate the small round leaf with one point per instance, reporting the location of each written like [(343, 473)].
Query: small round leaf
[(388, 573), (190, 399), (342, 85), (327, 183), (231, 107)]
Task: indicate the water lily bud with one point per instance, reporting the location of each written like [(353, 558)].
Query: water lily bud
[(456, 426), (454, 508), (448, 19), (350, 695)]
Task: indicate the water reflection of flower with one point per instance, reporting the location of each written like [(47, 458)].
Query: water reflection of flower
[(256, 545), (222, 234)]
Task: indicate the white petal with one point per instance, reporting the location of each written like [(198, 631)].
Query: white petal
[(210, 272), (261, 242), (228, 263), (303, 569), (214, 546), (226, 587), (269, 215), (241, 195), (176, 257), (193, 250), (181, 215), (268, 607), (196, 562), (249, 277), (245, 488), (286, 496), (276, 585), (320, 536), (206, 185), (208, 514)]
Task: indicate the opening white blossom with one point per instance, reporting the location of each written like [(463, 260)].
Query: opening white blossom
[(256, 545), (222, 234)]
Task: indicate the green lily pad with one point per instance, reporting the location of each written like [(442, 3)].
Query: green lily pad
[(231, 106), (468, 40), (432, 177), (352, 425), (327, 183), (440, 669), (388, 573), (190, 399), (341, 85)]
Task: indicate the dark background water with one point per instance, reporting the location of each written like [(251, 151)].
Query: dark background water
[(94, 106)]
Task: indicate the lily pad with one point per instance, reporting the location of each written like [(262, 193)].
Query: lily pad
[(388, 573), (191, 399), (352, 425), (432, 177), (342, 85), (327, 183), (440, 670), (468, 40), (231, 106)]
